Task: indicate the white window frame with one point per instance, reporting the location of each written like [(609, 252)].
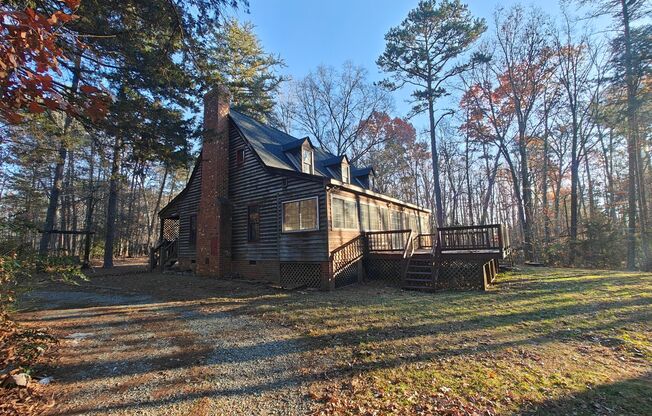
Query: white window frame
[(346, 168), (312, 160), (357, 213), (283, 230)]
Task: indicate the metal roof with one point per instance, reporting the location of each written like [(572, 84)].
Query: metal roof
[(275, 148)]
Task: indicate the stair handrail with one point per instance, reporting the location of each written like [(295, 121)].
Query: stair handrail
[(408, 252), (339, 265)]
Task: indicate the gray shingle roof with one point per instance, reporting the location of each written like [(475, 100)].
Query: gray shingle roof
[(273, 147)]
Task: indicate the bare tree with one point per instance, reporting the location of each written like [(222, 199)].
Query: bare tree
[(333, 106)]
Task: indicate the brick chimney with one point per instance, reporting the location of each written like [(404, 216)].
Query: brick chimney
[(214, 217)]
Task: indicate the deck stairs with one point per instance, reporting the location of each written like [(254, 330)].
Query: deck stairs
[(421, 272)]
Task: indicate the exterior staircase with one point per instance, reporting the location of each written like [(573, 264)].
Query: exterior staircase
[(420, 273)]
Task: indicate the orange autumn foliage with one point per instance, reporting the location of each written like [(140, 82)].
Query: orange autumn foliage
[(31, 80)]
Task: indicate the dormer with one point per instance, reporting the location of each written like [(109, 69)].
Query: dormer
[(340, 168), (366, 177), (303, 153)]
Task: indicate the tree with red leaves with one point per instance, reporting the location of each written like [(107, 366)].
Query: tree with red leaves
[(30, 73)]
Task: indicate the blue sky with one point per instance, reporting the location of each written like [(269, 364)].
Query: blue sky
[(309, 33)]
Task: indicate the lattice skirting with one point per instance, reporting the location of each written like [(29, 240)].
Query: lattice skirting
[(385, 268), (347, 275), (295, 275), (453, 274), (461, 274), (170, 229)]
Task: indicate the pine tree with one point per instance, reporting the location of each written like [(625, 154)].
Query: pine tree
[(237, 59), (420, 52)]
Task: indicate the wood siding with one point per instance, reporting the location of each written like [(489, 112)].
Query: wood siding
[(188, 206), (250, 183)]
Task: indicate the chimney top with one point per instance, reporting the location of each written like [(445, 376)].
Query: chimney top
[(217, 102)]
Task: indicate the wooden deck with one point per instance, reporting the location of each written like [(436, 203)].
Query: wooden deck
[(451, 257)]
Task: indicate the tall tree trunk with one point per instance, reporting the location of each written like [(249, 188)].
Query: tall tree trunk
[(159, 197), (526, 215), (544, 182), (575, 173), (632, 147), (490, 186), (112, 205), (468, 178), (57, 183), (589, 187), (90, 205), (435, 165)]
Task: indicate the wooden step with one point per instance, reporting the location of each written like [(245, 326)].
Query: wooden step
[(420, 266), (418, 280), (409, 273), (409, 287)]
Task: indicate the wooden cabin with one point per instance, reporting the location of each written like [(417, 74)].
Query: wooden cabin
[(263, 204)]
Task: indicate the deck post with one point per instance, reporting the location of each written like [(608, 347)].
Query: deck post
[(360, 267)]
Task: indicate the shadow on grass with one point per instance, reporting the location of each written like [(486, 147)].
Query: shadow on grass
[(536, 310), (627, 397)]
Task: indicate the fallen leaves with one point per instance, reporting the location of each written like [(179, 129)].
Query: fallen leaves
[(20, 350)]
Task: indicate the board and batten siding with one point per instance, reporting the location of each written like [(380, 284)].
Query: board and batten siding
[(188, 206), (252, 184)]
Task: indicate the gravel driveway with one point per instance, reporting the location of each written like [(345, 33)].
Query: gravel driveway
[(131, 347)]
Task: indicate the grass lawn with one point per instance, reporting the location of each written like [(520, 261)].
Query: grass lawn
[(542, 341)]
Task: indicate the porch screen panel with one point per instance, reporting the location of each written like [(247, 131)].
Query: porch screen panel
[(364, 217), (374, 218), (345, 214), (350, 215)]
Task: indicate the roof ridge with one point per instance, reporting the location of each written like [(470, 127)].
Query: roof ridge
[(286, 134), (264, 124)]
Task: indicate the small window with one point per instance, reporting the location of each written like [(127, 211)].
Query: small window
[(192, 234), (253, 223), (300, 215), (307, 159), (239, 157), (346, 173)]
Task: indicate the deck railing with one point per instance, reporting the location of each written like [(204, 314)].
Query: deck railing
[(481, 240), (162, 252), (347, 254), (474, 237), (426, 241), (387, 240)]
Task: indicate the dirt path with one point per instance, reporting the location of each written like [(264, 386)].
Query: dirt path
[(151, 347)]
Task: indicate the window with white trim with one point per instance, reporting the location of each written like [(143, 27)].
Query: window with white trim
[(345, 213), (346, 172), (301, 215), (307, 160)]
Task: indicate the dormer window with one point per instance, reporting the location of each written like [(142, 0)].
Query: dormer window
[(307, 160), (346, 172)]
